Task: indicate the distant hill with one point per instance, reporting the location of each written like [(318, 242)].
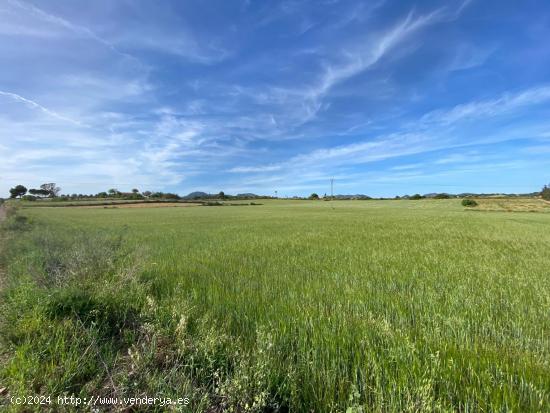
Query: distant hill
[(356, 196), (197, 194), (204, 195)]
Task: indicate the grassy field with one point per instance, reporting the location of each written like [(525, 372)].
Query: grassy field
[(513, 204), (301, 306)]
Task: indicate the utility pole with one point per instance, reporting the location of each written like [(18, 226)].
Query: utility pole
[(276, 194)]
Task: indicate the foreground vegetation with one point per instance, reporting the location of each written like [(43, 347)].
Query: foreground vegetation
[(301, 306)]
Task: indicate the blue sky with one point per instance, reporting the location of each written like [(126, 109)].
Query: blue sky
[(386, 97)]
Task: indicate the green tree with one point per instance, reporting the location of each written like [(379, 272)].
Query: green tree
[(314, 196), (545, 193), (221, 195), (18, 191), (38, 192), (51, 189)]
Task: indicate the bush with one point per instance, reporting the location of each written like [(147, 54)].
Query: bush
[(314, 196), (29, 198), (545, 193), (469, 202), (442, 196), (416, 197)]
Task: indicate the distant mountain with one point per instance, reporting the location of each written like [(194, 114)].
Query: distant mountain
[(204, 195), (247, 195), (439, 195), (197, 194), (356, 196)]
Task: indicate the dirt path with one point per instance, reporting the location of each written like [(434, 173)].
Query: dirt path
[(2, 272)]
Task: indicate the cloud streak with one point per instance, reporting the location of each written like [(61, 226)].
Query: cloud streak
[(415, 140), (506, 103), (74, 28), (35, 105)]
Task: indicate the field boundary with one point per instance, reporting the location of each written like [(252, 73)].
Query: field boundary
[(105, 203)]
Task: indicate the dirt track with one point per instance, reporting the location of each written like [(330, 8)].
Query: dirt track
[(2, 272)]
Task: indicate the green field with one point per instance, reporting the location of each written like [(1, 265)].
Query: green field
[(300, 306)]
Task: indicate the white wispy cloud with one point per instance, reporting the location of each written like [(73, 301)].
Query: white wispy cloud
[(537, 150), (32, 104), (407, 167), (247, 169), (468, 57), (467, 157), (77, 29), (415, 139), (180, 43), (371, 50), (357, 59), (506, 103), (364, 58), (303, 103), (378, 149)]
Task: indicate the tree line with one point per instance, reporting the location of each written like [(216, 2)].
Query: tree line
[(49, 190)]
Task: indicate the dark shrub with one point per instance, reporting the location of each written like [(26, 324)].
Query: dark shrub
[(545, 193), (416, 197), (469, 202)]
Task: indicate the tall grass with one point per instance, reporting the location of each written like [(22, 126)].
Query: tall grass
[(298, 306)]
